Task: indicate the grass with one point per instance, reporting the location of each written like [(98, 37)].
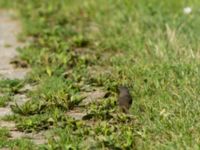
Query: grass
[(13, 144), (8, 88), (150, 46)]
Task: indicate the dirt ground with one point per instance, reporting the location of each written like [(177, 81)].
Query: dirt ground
[(9, 29)]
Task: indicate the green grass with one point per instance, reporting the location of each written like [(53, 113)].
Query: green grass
[(4, 100), (8, 88), (14, 144), (150, 46)]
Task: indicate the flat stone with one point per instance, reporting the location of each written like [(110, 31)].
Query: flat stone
[(26, 88), (7, 124), (37, 138), (76, 115), (5, 111), (92, 97), (20, 99), (14, 73)]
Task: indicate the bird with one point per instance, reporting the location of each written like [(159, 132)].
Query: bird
[(124, 99)]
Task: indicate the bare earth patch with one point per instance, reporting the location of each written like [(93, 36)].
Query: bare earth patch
[(93, 96), (90, 97), (5, 111), (9, 29)]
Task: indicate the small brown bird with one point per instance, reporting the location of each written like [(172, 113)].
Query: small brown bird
[(124, 99)]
